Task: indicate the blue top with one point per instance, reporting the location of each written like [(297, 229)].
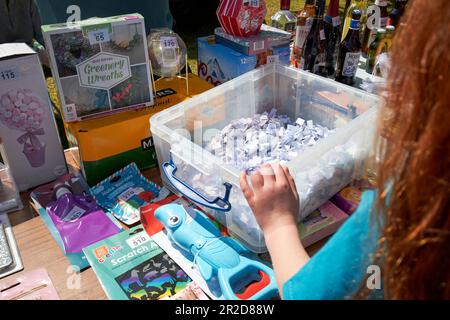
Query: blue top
[(339, 269)]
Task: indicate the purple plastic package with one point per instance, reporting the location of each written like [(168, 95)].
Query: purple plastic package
[(79, 220), (74, 213)]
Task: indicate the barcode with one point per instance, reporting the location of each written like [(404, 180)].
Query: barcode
[(258, 45)]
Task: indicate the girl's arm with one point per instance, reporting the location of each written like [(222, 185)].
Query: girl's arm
[(274, 201)]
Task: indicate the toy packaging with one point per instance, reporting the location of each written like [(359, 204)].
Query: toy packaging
[(124, 192), (73, 217), (30, 143), (348, 198), (10, 261), (131, 266), (253, 281), (100, 65), (33, 285), (241, 17), (218, 63), (321, 223), (266, 39), (108, 144)]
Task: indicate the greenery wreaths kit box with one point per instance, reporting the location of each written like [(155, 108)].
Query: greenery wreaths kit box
[(100, 65)]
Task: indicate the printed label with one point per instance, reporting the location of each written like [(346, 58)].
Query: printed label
[(350, 64), (9, 74), (258, 45), (322, 34), (319, 62), (129, 193), (104, 70), (75, 213), (147, 144), (70, 112), (169, 42), (302, 32), (336, 21), (272, 59), (99, 36), (254, 3), (169, 57), (138, 240)]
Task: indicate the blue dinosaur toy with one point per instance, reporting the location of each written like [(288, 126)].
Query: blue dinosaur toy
[(218, 257)]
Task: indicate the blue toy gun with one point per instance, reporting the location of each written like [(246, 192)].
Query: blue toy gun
[(218, 257)]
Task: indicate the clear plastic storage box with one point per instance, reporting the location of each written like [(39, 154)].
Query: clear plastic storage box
[(181, 133)]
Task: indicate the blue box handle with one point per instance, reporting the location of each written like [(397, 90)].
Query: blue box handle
[(220, 204)]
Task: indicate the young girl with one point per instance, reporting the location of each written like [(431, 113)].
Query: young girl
[(402, 229)]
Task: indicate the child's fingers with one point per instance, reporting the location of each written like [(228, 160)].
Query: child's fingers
[(280, 175), (291, 181), (248, 193), (257, 180), (266, 171)]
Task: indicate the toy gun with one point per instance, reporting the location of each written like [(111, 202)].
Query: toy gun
[(238, 271)]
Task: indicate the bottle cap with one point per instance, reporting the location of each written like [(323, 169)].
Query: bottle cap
[(61, 189), (356, 14)]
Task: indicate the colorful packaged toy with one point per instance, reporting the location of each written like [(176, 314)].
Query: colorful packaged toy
[(124, 192), (30, 143), (321, 223), (218, 63), (131, 266), (241, 17), (348, 198), (72, 216), (100, 65)]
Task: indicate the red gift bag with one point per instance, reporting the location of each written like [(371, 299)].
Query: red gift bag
[(241, 17)]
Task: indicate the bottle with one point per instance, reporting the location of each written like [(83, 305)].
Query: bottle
[(372, 53), (386, 43), (354, 4), (314, 51), (304, 23), (397, 12), (284, 19), (349, 51), (332, 26), (379, 10)]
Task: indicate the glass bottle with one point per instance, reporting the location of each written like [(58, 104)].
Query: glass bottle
[(349, 51), (354, 4), (284, 19), (377, 19), (332, 26), (314, 51), (304, 23), (397, 12), (372, 53)]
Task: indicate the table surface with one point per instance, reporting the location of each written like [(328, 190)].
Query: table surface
[(39, 249)]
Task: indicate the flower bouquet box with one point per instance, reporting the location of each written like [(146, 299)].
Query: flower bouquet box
[(30, 144), (100, 65)]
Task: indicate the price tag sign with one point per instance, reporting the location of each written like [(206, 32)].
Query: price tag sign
[(138, 240), (70, 112), (98, 36), (9, 74), (254, 3), (272, 59), (169, 42)]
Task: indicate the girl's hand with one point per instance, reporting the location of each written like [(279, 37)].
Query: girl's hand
[(274, 198)]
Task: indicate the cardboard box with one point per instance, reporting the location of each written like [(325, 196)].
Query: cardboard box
[(218, 63), (321, 223), (30, 143), (266, 39), (100, 65), (108, 144)]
